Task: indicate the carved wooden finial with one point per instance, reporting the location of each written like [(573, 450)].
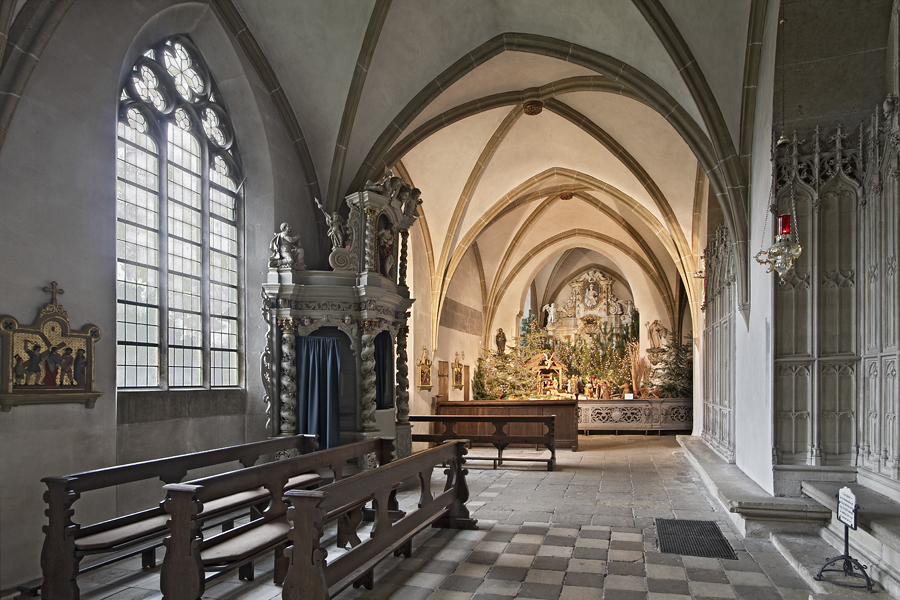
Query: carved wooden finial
[(53, 290)]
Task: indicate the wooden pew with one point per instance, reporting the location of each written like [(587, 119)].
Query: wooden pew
[(498, 436), (66, 542), (311, 577), (192, 561)]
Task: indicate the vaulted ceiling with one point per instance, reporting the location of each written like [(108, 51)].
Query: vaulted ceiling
[(644, 112)]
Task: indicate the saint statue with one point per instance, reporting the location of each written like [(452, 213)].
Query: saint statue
[(656, 334), (335, 223), (286, 250), (501, 341), (386, 251)]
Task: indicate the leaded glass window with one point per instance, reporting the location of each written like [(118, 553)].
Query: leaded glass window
[(177, 214)]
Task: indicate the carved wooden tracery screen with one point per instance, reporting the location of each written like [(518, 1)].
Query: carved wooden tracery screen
[(718, 343)]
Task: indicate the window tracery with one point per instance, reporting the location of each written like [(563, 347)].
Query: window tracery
[(177, 212)]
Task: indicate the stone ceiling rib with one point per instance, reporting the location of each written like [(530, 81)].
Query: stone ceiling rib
[(657, 271), (360, 70), (459, 210)]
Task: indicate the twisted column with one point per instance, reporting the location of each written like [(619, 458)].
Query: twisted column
[(265, 366), (404, 237), (288, 377), (367, 357), (370, 239), (402, 376)]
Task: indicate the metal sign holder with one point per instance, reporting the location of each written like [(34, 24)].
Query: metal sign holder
[(846, 514)]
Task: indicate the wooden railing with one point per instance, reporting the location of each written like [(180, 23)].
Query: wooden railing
[(311, 577), (500, 437)]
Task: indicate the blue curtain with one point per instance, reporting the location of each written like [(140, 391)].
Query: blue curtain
[(384, 371), (319, 389)]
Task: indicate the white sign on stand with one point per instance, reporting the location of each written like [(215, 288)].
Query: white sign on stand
[(846, 509)]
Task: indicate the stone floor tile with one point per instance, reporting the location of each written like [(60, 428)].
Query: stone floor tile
[(557, 551), (544, 591), (524, 538), (408, 592), (498, 536), (707, 575), (625, 582), (612, 521), (755, 592), (559, 540), (618, 536), (426, 580), (522, 549), (626, 555), (514, 560), (499, 587), (785, 577), (591, 553), (497, 547), (794, 594), (744, 563), (507, 573), (444, 567), (449, 595), (472, 570), (571, 592), (563, 531), (659, 596), (586, 542), (601, 532), (657, 558), (668, 586), (550, 563), (665, 572), (578, 565), (484, 558), (620, 545), (711, 590), (748, 578), (698, 562), (611, 594), (545, 576), (460, 583), (634, 569), (579, 579)]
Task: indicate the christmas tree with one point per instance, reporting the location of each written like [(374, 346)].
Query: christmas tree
[(677, 371)]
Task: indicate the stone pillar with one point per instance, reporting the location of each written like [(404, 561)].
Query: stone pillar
[(402, 376), (367, 358), (288, 394), (371, 239), (404, 237)]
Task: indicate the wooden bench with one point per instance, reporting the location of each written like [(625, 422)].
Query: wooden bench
[(500, 437), (191, 561), (66, 542), (311, 577)]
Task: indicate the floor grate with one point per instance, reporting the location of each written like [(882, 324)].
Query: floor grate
[(692, 538)]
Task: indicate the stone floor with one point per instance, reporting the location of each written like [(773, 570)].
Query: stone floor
[(583, 531)]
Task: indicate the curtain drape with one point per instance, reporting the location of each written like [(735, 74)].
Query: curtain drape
[(318, 389), (384, 371)]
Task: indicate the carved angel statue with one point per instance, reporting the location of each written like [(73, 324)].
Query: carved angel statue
[(335, 223), (388, 185), (410, 208), (550, 309), (286, 250)]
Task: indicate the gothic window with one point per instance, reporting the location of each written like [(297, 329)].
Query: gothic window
[(177, 213)]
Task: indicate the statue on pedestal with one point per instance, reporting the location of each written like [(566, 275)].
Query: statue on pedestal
[(500, 339), (286, 250), (335, 223)]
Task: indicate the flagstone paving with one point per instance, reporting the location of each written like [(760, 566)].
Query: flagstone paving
[(583, 531)]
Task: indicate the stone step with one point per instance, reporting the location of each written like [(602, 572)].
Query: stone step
[(807, 553), (754, 511)]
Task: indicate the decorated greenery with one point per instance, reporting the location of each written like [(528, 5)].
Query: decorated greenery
[(677, 371)]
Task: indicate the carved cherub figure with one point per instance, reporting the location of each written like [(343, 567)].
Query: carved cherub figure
[(410, 209)]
